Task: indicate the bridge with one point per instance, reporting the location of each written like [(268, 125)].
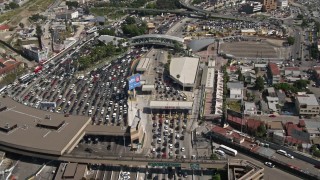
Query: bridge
[(156, 39)]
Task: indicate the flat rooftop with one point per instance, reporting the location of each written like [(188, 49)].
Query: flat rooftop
[(184, 70), (30, 129), (171, 104)]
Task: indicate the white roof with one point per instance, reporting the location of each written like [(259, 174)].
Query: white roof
[(186, 68), (148, 87), (210, 78), (308, 99), (171, 104), (248, 30)]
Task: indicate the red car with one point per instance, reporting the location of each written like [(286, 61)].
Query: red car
[(272, 115)]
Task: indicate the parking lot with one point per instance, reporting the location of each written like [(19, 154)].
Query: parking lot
[(100, 93), (168, 134)]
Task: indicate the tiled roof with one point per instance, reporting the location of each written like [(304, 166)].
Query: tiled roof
[(274, 69), (4, 27)]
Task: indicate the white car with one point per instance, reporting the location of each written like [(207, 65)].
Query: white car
[(269, 164), (182, 149), (170, 146)]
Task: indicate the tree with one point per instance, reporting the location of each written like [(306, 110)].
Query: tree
[(216, 177), (72, 4), (261, 130), (259, 84), (21, 25), (110, 32), (130, 20), (301, 84), (290, 40), (13, 5), (214, 156), (300, 16)]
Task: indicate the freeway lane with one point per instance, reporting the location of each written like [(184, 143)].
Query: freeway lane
[(269, 173)]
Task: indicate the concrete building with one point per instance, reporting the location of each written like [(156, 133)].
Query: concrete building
[(268, 5), (282, 3), (292, 71), (67, 14), (236, 90), (273, 103), (71, 171), (35, 53), (248, 32), (251, 7), (273, 73), (307, 105), (184, 70), (313, 128), (249, 108)]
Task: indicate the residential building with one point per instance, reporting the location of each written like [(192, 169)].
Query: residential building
[(313, 128), (292, 71), (276, 132), (67, 14), (9, 65), (250, 108), (251, 7), (307, 104), (250, 77), (35, 53), (4, 28), (268, 5), (273, 104), (282, 3), (273, 73), (236, 90)]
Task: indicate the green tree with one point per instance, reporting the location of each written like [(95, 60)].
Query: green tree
[(290, 40), (72, 4), (259, 84), (301, 84), (304, 23), (216, 177), (300, 16), (21, 25), (110, 32), (261, 131), (214, 156), (130, 20), (13, 5)]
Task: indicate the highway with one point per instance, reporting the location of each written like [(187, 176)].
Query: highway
[(269, 173)]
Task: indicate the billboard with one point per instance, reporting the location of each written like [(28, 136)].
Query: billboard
[(134, 81)]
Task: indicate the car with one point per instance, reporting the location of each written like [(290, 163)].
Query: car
[(272, 116), (182, 149), (269, 164), (290, 156), (170, 146)]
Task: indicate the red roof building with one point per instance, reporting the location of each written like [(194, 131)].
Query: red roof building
[(7, 66), (4, 27), (274, 69)]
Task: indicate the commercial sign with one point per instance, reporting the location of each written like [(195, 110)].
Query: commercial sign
[(134, 81)]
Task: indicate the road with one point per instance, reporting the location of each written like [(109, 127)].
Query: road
[(269, 173)]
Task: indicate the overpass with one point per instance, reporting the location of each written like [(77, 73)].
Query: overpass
[(194, 12), (156, 39)]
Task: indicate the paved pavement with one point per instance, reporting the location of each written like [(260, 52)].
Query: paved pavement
[(269, 173)]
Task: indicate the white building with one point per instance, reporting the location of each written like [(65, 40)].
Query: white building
[(236, 90), (307, 105), (184, 70), (282, 3), (67, 15), (249, 108)]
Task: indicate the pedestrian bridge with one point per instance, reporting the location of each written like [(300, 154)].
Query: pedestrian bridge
[(156, 39)]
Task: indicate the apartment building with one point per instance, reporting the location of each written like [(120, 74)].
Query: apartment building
[(307, 105)]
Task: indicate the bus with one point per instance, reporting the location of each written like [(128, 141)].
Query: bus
[(25, 78), (228, 150), (2, 89)]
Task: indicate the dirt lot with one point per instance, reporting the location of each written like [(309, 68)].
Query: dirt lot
[(252, 49)]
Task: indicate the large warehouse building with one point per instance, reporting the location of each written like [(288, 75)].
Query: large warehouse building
[(184, 70)]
